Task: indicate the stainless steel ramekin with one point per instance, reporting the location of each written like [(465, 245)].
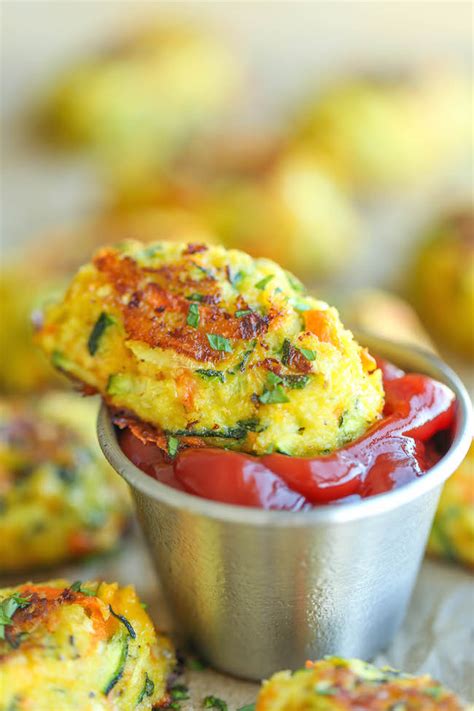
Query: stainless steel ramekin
[(255, 591)]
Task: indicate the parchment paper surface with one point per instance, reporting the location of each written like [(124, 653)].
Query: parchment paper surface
[(436, 637)]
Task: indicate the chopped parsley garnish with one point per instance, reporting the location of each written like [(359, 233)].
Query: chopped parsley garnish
[(243, 312), (173, 444), (236, 279), (295, 382), (436, 692), (195, 297), (273, 393), (180, 692), (195, 664), (323, 689), (285, 352), (308, 354), (247, 707), (8, 607), (193, 316), (213, 702), (219, 343), (295, 283), (77, 587), (299, 305), (274, 379), (97, 332), (207, 272), (219, 374), (263, 282), (245, 358), (150, 252)]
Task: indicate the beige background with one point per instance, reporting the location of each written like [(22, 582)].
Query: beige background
[(285, 46)]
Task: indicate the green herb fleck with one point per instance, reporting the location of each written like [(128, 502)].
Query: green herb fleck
[(193, 316), (274, 379), (324, 688), (247, 707), (273, 393), (276, 396), (207, 272), (436, 692), (148, 689), (236, 279), (100, 326), (295, 382), (263, 282), (219, 374), (150, 251), (77, 587), (245, 358), (58, 360), (299, 305), (8, 607), (195, 297), (219, 343), (243, 312), (180, 692), (286, 352), (308, 354), (195, 664), (213, 702), (173, 444), (295, 283)]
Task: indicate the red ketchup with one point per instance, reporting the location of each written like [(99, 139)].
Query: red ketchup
[(396, 450)]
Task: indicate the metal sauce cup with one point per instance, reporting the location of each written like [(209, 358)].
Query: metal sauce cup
[(255, 591)]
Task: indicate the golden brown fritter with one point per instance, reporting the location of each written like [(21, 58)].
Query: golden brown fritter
[(87, 646), (335, 684), (205, 342)]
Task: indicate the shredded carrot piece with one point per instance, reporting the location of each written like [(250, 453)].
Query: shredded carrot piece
[(320, 323)]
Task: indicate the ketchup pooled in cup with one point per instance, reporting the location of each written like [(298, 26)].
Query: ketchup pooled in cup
[(399, 448)]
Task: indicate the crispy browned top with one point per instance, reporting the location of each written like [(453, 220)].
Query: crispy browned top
[(155, 308), (42, 603)]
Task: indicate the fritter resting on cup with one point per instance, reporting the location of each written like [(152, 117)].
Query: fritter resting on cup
[(210, 345), (87, 646), (452, 535), (335, 684), (442, 282), (59, 499)]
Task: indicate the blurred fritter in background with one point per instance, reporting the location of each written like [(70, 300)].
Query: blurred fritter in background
[(334, 138)]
